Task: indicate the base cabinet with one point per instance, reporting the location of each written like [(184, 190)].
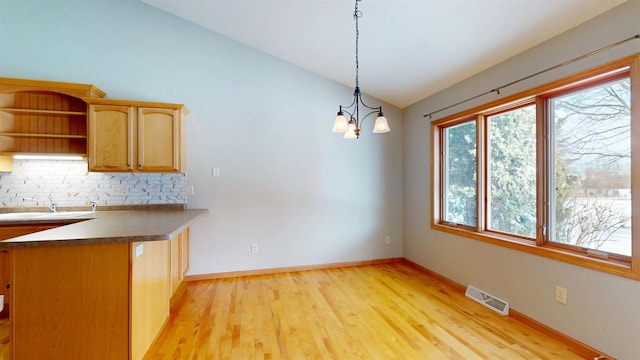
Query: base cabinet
[(95, 301), (5, 282), (149, 294), (179, 259), (71, 302), (7, 232)]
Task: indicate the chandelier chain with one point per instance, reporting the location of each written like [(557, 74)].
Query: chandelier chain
[(357, 14), (351, 129)]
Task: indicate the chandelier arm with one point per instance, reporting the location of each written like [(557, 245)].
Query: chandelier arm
[(364, 117), (379, 108), (351, 114), (350, 105)]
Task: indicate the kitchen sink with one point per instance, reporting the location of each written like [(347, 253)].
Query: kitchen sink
[(59, 215)]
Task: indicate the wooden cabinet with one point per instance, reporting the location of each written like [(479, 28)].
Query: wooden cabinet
[(179, 259), (128, 136), (184, 253), (149, 294), (71, 302), (55, 118), (160, 142), (43, 117), (7, 232), (5, 281), (111, 138), (94, 301)]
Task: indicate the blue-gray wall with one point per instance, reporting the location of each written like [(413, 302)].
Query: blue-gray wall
[(302, 193)]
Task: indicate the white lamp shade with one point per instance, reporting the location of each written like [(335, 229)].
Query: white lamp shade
[(340, 125), (350, 133), (381, 125)]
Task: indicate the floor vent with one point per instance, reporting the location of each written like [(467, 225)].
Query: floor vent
[(498, 305)]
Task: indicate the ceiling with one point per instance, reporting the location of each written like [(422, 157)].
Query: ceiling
[(409, 49)]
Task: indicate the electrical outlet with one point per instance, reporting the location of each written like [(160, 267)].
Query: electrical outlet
[(254, 248), (561, 295), (119, 190), (190, 190), (387, 239), (139, 250)]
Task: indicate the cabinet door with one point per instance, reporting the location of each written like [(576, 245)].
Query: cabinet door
[(5, 280), (179, 259), (150, 287), (184, 252), (159, 140), (111, 138), (7, 232), (176, 256), (71, 302)]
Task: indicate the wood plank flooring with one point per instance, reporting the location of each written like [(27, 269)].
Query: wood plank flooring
[(388, 311)]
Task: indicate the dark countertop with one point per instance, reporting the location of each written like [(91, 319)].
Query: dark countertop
[(110, 227)]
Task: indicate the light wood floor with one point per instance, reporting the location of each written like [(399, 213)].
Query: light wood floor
[(389, 311)]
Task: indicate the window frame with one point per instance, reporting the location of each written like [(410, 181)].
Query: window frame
[(443, 162), (484, 118), (615, 264)]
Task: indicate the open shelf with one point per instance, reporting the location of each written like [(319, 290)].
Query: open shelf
[(41, 112), (42, 122), (51, 136)]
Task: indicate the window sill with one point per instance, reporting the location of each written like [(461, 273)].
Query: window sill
[(551, 252)]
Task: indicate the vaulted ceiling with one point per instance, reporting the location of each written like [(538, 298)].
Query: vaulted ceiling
[(409, 49)]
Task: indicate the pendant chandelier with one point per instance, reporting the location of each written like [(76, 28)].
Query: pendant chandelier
[(352, 128)]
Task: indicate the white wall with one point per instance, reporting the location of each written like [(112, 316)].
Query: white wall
[(603, 310), (302, 193)]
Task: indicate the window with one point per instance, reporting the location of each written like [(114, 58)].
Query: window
[(547, 171), (511, 193), (460, 174), (590, 130)]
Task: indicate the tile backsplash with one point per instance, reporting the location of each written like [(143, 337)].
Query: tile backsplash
[(69, 183)]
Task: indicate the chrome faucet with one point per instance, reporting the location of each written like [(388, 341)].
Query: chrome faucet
[(53, 207), (94, 206)]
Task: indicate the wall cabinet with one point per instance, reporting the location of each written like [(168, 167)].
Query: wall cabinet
[(111, 138), (129, 136), (43, 117), (55, 118)]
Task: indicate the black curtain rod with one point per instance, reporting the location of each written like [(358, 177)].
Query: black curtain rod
[(497, 90)]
